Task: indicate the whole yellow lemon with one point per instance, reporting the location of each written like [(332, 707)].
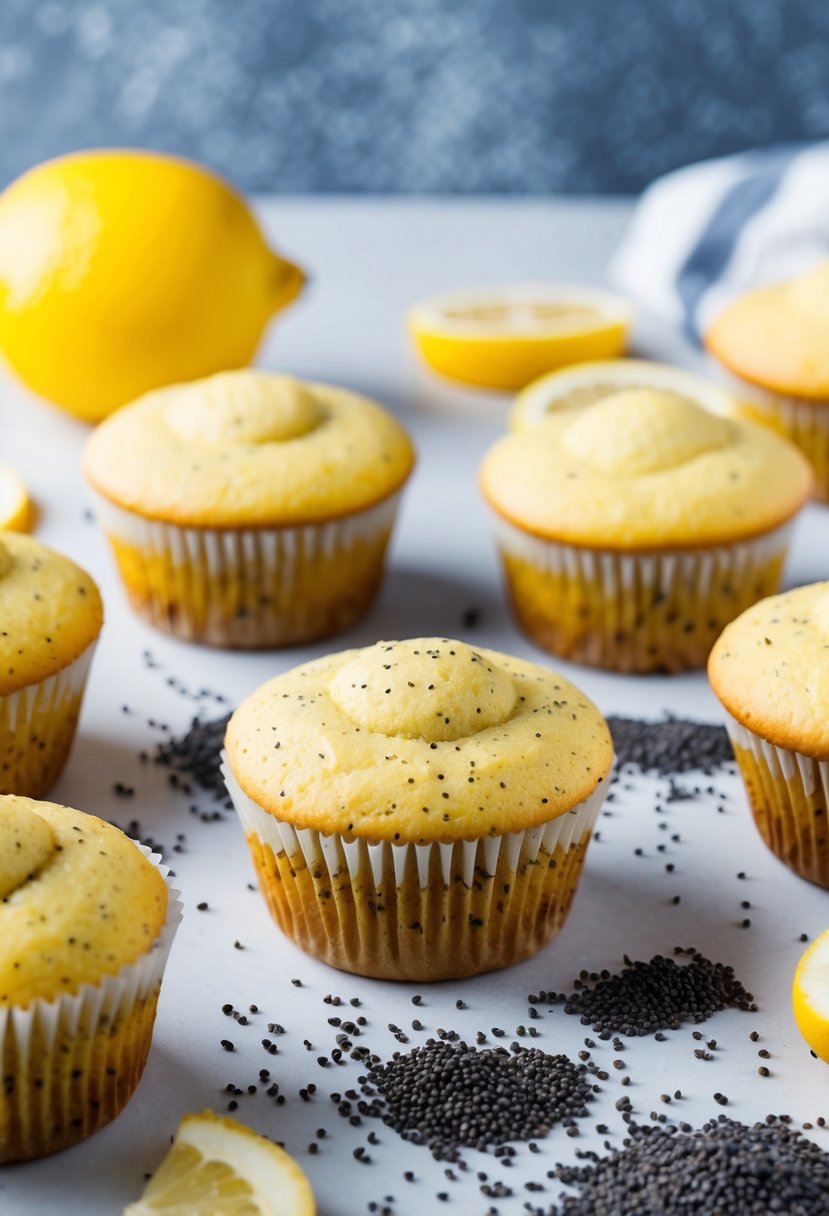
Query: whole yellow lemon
[(124, 270)]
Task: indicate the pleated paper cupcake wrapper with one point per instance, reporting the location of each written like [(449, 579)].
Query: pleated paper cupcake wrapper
[(37, 727), (69, 1065), (804, 423), (639, 611), (251, 587), (789, 797), (449, 872)]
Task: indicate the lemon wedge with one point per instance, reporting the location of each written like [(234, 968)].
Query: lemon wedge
[(586, 383), (218, 1167), (810, 996), (16, 509), (504, 337)]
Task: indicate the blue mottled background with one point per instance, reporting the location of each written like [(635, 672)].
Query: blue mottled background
[(440, 96)]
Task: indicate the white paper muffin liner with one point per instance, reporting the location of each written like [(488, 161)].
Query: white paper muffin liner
[(283, 584), (789, 796), (639, 611), (370, 866), (37, 725), (33, 1046)]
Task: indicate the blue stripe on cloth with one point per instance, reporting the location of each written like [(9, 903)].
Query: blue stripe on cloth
[(715, 245)]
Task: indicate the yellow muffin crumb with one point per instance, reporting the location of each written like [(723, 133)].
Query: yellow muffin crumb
[(769, 669), (248, 449), (644, 469), (78, 901), (775, 337), (424, 739), (51, 612)]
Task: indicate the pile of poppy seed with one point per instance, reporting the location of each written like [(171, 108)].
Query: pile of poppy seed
[(448, 1095), (725, 1167), (672, 745), (197, 754), (645, 998)]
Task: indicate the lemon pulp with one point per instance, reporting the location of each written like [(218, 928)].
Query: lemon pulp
[(218, 1167)]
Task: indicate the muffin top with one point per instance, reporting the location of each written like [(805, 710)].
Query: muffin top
[(769, 668), (776, 336), (50, 611), (419, 740), (78, 900), (644, 469), (248, 449)]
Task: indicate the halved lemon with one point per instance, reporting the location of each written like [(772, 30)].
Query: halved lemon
[(218, 1167), (504, 337), (810, 996), (16, 510), (585, 383)]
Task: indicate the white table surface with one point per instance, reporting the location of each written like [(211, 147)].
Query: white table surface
[(368, 260)]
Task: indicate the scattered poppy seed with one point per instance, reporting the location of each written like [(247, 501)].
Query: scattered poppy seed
[(671, 745), (450, 1095), (196, 754), (725, 1166), (657, 995)]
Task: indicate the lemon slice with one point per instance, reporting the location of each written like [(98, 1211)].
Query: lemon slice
[(810, 996), (16, 511), (218, 1167), (504, 337), (588, 382)]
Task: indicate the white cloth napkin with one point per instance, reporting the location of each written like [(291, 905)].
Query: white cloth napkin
[(708, 232)]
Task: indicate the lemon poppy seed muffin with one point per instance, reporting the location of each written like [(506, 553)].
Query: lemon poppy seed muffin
[(769, 669), (633, 528), (249, 509), (50, 618), (772, 341), (86, 920), (418, 809)]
